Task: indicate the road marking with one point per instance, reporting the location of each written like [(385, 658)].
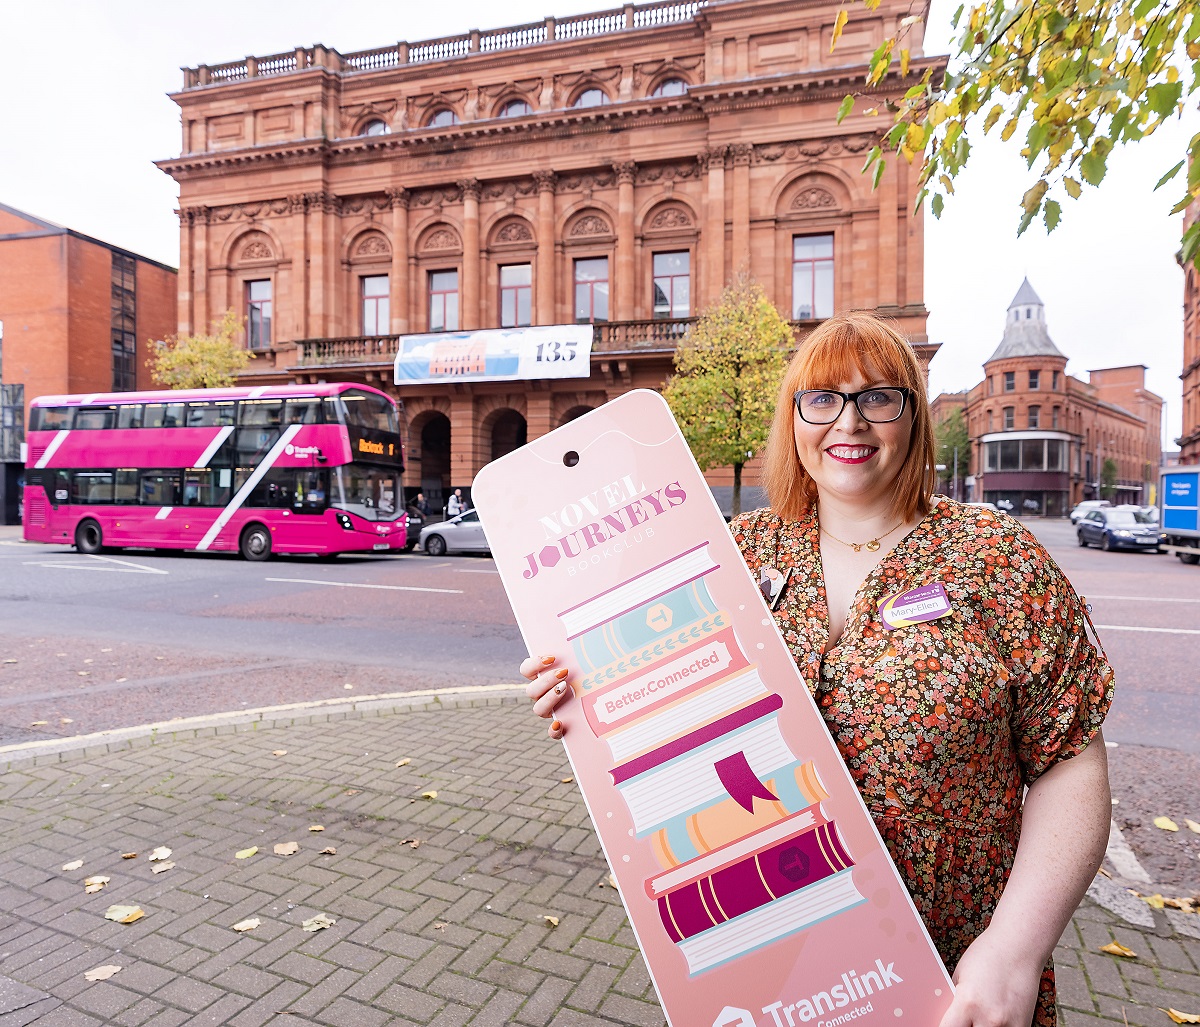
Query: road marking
[(124, 566), (1145, 599), (390, 588), (1121, 856), (474, 570), (1163, 631)]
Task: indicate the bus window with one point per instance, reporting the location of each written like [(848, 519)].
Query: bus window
[(58, 487), (366, 410), (332, 416), (51, 418), (95, 418), (160, 488), (205, 486), (303, 411), (92, 487), (260, 412), (210, 415), (310, 492), (370, 492), (276, 488), (126, 486), (129, 416), (254, 443), (163, 415)]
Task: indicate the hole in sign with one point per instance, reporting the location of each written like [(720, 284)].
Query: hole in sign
[(570, 458)]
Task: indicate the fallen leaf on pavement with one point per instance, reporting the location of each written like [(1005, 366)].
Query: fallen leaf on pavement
[(567, 780), (158, 868), (75, 864), (412, 843), (331, 851), (286, 848), (439, 927), (245, 853), (91, 885), (404, 762), (65, 720), (551, 920), (279, 752), (129, 855), (39, 723), (1154, 900), (124, 914), (1115, 948), (1192, 826), (162, 852), (1166, 824), (1179, 1017), (316, 827), (347, 685), (429, 795), (318, 922), (612, 880), (101, 973), (352, 791), (247, 925)]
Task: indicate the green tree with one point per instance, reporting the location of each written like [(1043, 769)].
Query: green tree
[(727, 374), (1076, 78), (1108, 479), (953, 444), (200, 361)]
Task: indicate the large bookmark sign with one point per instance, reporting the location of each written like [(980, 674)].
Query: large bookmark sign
[(757, 886)]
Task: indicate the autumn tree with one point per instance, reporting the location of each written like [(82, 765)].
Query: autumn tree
[(1108, 479), (953, 447), (1075, 79), (200, 361), (727, 374)]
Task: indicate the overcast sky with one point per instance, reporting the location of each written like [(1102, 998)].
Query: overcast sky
[(84, 112)]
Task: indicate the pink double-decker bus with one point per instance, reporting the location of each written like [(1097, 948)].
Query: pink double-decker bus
[(280, 468)]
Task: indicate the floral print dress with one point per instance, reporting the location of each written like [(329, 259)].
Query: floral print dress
[(944, 723)]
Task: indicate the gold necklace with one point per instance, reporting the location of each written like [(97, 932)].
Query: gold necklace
[(871, 547)]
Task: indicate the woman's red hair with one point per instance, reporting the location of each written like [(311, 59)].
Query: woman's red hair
[(832, 354)]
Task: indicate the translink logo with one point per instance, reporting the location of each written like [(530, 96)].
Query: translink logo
[(731, 1017)]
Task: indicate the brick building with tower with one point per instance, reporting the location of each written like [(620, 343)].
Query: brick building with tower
[(75, 316), (616, 168)]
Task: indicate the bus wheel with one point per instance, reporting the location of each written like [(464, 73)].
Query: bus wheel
[(89, 538), (256, 543)]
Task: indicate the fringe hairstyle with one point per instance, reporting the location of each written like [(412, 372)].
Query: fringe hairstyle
[(839, 347)]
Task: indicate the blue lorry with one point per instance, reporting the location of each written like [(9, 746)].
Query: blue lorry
[(1179, 512)]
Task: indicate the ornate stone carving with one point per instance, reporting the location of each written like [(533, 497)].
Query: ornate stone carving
[(590, 224), (667, 172), (469, 187), (626, 170), (545, 181), (256, 247), (670, 218), (813, 198), (714, 157), (514, 231), (441, 239), (742, 153), (809, 150), (398, 197), (372, 245)]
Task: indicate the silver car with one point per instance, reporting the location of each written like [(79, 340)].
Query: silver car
[(463, 534)]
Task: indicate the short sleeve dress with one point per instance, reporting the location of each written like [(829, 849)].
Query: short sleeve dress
[(942, 724)]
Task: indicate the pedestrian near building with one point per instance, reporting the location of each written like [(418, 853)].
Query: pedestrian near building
[(943, 726), (456, 504)]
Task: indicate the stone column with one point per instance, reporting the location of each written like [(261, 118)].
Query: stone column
[(539, 403), (545, 313), (470, 282), (887, 293), (623, 306), (742, 153), (200, 271), (398, 279), (714, 247), (464, 456), (315, 204), (184, 314), (299, 297)]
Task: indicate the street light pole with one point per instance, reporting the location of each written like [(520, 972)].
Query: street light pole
[(954, 485)]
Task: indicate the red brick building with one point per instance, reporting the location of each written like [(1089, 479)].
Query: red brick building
[(76, 314), (1040, 438), (615, 168)]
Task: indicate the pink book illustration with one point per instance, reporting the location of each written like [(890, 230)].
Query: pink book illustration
[(754, 879)]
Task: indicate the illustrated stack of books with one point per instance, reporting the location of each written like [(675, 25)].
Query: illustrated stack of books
[(734, 817)]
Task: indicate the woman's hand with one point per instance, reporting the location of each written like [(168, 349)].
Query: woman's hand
[(996, 986), (547, 688)]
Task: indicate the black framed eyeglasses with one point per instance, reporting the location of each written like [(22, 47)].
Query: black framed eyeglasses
[(878, 405)]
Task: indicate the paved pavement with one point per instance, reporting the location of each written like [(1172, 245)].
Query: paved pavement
[(438, 902)]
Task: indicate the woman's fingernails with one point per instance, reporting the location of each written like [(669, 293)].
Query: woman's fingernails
[(560, 688), (556, 725), (547, 660), (560, 673)]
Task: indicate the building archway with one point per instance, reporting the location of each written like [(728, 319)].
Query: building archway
[(572, 413), (431, 463), (509, 431)]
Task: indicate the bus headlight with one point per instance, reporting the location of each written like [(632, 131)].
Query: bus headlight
[(344, 521)]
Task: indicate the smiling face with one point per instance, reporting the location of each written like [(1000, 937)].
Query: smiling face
[(853, 459)]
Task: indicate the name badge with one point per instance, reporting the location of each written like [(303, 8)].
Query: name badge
[(929, 602)]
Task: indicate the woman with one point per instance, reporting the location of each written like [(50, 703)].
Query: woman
[(944, 725)]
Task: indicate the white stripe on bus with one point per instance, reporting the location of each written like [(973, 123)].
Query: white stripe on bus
[(86, 400), (255, 393), (243, 493), (163, 513), (59, 438), (213, 446)]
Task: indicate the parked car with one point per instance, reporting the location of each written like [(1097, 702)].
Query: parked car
[(1114, 528), (1149, 511), (1088, 504), (461, 534)]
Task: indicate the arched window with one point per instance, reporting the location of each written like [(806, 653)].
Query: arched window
[(514, 109), (591, 98), (670, 87), (443, 117), (374, 127)]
